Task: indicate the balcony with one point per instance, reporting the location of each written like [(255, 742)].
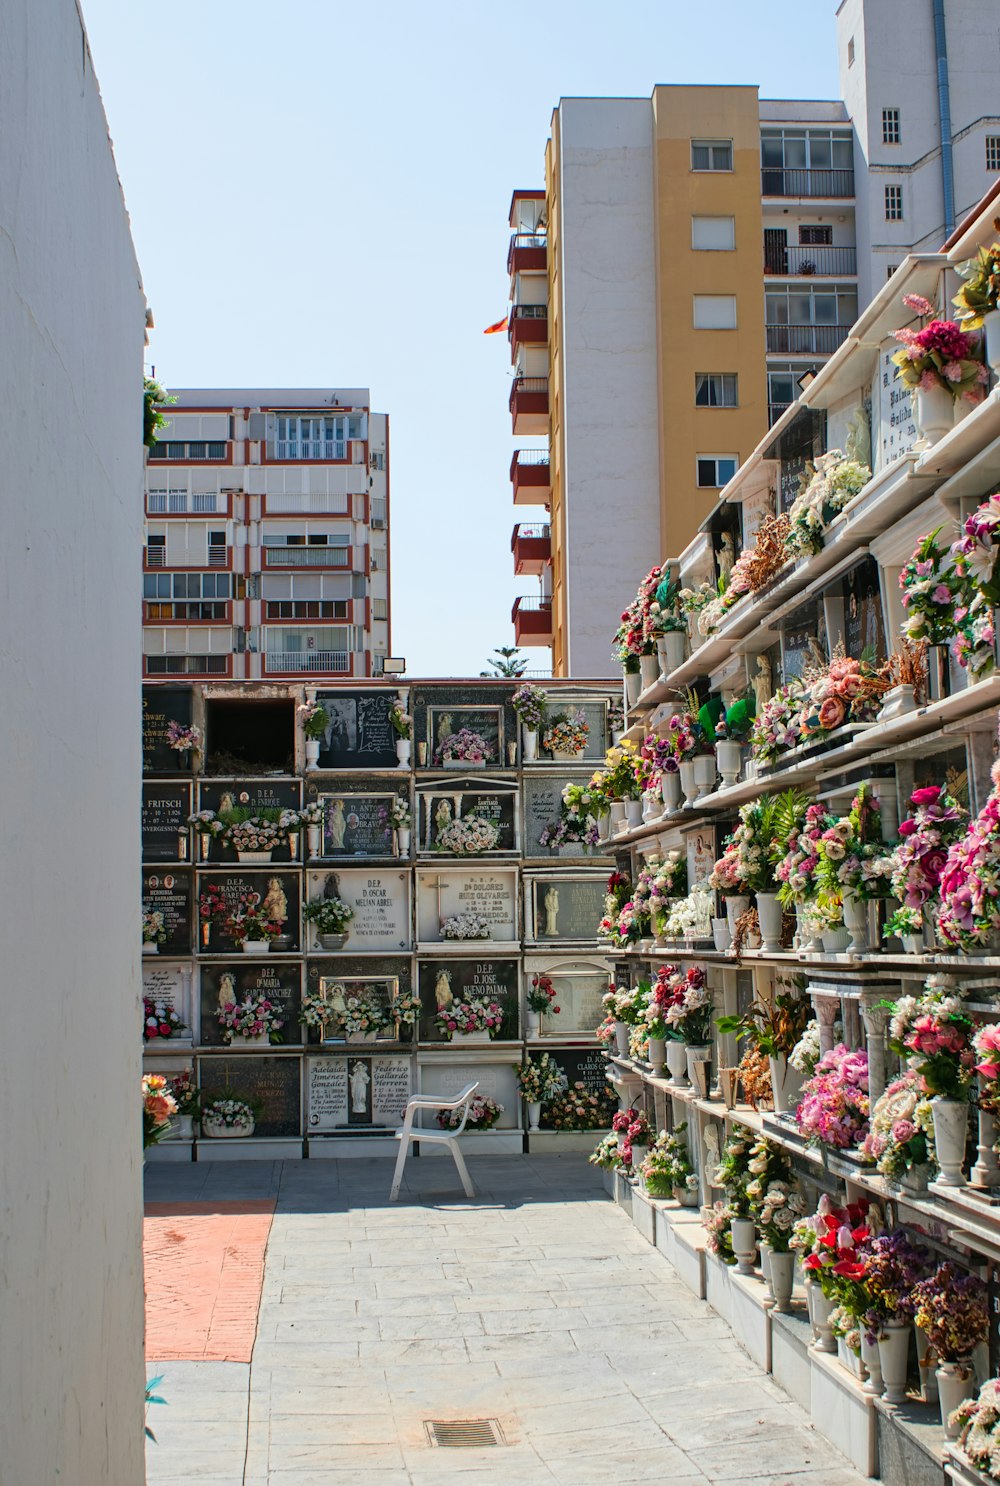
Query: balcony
[(312, 449), (837, 185), (532, 548), (531, 477), (528, 252), (529, 405), (775, 410), (805, 262), (307, 557), (805, 340), (185, 503), (532, 618), (325, 662), (527, 325)]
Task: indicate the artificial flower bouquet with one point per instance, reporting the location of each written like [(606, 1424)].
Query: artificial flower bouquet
[(260, 832), (980, 293), (230, 1114), (206, 823), (465, 746), (154, 929), (796, 857), (775, 1025), (901, 1137), (659, 759), (186, 1093), (666, 615), (530, 704), (465, 926), (185, 739), (970, 880), (667, 1169), (475, 1015), (935, 1030), (735, 724), (160, 1020), (578, 1108), (978, 1423), (607, 1153), (931, 589), (328, 915), (577, 818), (400, 721), (566, 734), (469, 836), (633, 1129), (359, 1012), (690, 918), (315, 719), (733, 1173), (541, 995), (775, 1200), (938, 355), (484, 1113), (718, 1223), (400, 817), (835, 1106), (830, 482), (246, 919), (852, 856), (687, 1005), (254, 1016), (623, 922), (828, 1243), (918, 860), (540, 1079), (950, 1307), (627, 1003), (777, 728), (158, 1108)]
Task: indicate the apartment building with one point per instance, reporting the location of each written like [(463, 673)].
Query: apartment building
[(267, 535), (691, 262)]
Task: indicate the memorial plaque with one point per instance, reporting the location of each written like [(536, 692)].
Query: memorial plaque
[(864, 632), (587, 1067), (381, 902), (594, 714), (443, 983), (579, 996), (357, 1091), (166, 985), (271, 1084), (169, 893), (162, 705), (252, 796), (701, 855), (277, 981), (165, 811), (897, 425), (359, 734), (790, 481), (800, 640), (357, 825), (485, 730), (277, 892), (543, 807), (567, 908), (440, 809), (490, 895), (392, 1085), (496, 1081), (361, 969), (339, 991)]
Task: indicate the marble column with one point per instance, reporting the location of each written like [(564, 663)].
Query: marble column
[(876, 1019)]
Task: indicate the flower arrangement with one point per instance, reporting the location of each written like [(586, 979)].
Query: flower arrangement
[(980, 293), (399, 813), (578, 1109), (775, 1025), (685, 1002), (762, 822), (530, 704), (901, 1136), (206, 823), (158, 1107), (484, 1113), (690, 917), (685, 737), (806, 1053), (660, 883), (847, 690), (667, 1168), (665, 613), (160, 1020), (468, 836), (254, 1016), (970, 879), (245, 919), (261, 832), (935, 822), (727, 595), (835, 1105), (328, 915), (718, 1222), (726, 877), (566, 734), (733, 1173), (311, 814), (606, 1154), (735, 724), (774, 1198), (627, 1003), (978, 1423), (577, 819), (828, 1243), (939, 355), (542, 994), (622, 922), (894, 1266), (315, 719), (931, 589), (659, 759), (540, 1079), (795, 855), (852, 856), (406, 1010), (186, 1093), (465, 747), (829, 483), (618, 780), (213, 906), (354, 1012), (777, 726), (154, 929), (950, 1306), (632, 1128), (465, 926), (474, 1015), (184, 739), (233, 1114), (936, 1029), (400, 721)]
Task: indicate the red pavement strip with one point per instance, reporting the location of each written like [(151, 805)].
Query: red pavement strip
[(204, 1268)]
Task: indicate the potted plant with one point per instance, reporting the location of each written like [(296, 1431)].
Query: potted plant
[(471, 835), (154, 931), (539, 1081), (330, 918), (158, 1108), (775, 1027), (566, 737), (483, 1114), (540, 996), (460, 749), (529, 703), (979, 297), (227, 1118), (667, 1169), (187, 1097), (253, 837), (402, 726), (185, 740), (474, 1020), (684, 738), (315, 721), (253, 1020), (160, 1020), (938, 363)]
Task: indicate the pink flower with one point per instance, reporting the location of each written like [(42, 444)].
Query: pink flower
[(903, 1131), (832, 713), (918, 304)]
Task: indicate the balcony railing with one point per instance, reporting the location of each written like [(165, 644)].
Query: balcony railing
[(330, 662), (775, 181), (529, 312), (183, 503), (316, 503), (531, 531), (775, 410), (805, 261), (527, 252), (307, 449), (307, 557), (805, 340)]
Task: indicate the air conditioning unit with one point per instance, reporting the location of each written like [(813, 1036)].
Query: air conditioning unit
[(378, 523)]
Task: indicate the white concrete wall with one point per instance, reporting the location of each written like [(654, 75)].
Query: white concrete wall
[(71, 327), (608, 278)]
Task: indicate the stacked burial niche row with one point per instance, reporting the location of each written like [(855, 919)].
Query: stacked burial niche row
[(349, 904)]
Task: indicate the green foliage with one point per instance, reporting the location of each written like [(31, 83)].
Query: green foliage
[(152, 419), (789, 813), (510, 663), (152, 1397)]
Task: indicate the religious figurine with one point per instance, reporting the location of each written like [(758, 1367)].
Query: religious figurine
[(858, 445), (338, 824), (275, 902), (331, 886), (816, 652), (227, 990), (337, 1002), (442, 990), (360, 1079), (726, 555), (763, 688), (551, 910), (442, 817), (444, 727), (227, 803), (712, 1148)]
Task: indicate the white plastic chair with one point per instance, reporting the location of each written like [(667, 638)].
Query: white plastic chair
[(448, 1138)]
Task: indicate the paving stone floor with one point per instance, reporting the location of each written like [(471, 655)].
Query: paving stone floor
[(536, 1304)]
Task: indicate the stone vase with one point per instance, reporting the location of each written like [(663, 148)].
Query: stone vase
[(894, 1352), (770, 915), (670, 791), (403, 747), (736, 905), (786, 1085), (935, 413), (782, 1279), (689, 782), (649, 672), (856, 923), (677, 1063), (698, 1058), (622, 1030), (744, 1240), (729, 761), (256, 946), (534, 1115), (991, 333), (704, 774), (633, 686), (633, 814), (657, 1053), (956, 1381), (670, 648), (313, 834), (721, 936), (312, 753), (873, 1366), (529, 744), (617, 815), (951, 1128), (822, 1306), (403, 840)]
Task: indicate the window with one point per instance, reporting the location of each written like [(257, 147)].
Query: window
[(993, 152), (377, 460), (850, 52), (186, 665), (713, 234), (715, 312), (711, 154), (890, 126), (198, 450), (796, 161), (716, 470), (156, 551), (815, 237), (303, 436), (715, 390), (890, 269), (893, 203), (380, 609), (378, 559), (782, 388)]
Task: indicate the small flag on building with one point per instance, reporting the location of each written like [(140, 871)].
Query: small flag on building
[(495, 329)]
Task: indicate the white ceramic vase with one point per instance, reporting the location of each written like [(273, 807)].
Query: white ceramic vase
[(856, 923), (786, 1085), (677, 1063), (529, 744), (670, 791), (403, 840), (821, 1307), (991, 330), (657, 1052), (617, 815), (872, 1365), (403, 753), (729, 759), (313, 840), (633, 686), (704, 774), (736, 905), (935, 413), (534, 1115), (770, 915), (622, 1030), (951, 1128), (721, 937), (256, 946), (689, 782), (633, 814), (956, 1381), (649, 672), (782, 1279), (744, 1239), (312, 752), (893, 1352), (670, 648)]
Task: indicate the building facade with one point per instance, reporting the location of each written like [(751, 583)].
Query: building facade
[(267, 535), (692, 257)]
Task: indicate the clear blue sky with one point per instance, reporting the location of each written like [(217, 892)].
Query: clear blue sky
[(319, 195)]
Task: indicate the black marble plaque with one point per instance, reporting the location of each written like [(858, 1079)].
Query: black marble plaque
[(800, 640), (359, 734), (361, 970), (357, 825), (486, 723), (279, 981), (162, 705), (278, 891), (589, 1065), (443, 982), (567, 909), (270, 1083), (792, 470), (169, 892), (253, 795), (543, 807), (165, 811), (864, 631), (439, 809)]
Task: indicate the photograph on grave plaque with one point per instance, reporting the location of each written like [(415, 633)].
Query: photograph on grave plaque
[(465, 907), (237, 982), (345, 1010), (586, 1068), (162, 705), (497, 1081), (466, 737), (359, 1092), (701, 854), (270, 1085), (440, 810), (380, 899), (477, 984), (579, 991), (224, 896), (358, 825), (864, 632), (169, 893), (567, 908), (358, 734), (394, 971), (238, 799), (165, 811)]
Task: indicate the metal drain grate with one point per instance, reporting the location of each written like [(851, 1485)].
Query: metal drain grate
[(468, 1434)]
